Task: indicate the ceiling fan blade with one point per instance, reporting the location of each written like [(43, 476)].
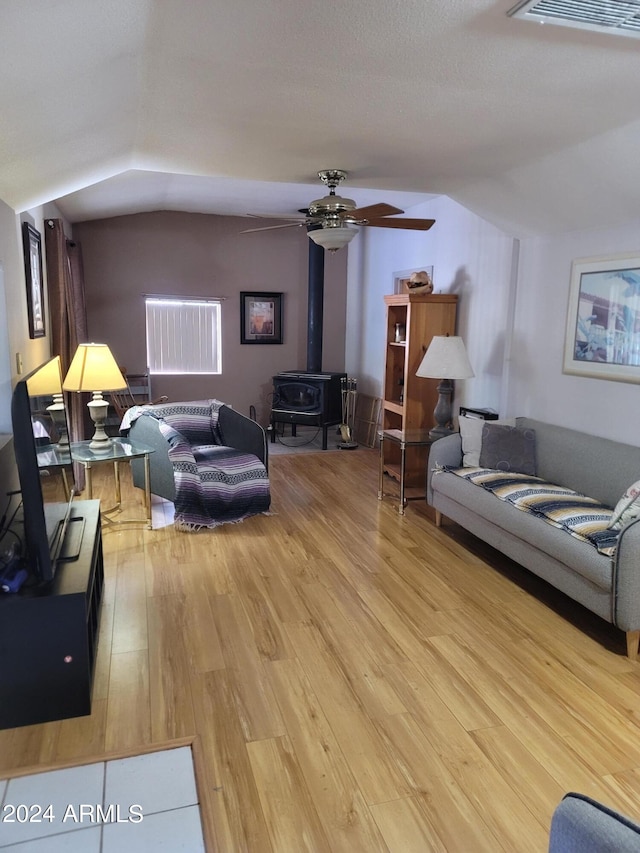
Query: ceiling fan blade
[(273, 227), (282, 216), (373, 211), (409, 224)]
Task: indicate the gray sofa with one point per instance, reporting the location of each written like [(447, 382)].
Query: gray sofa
[(582, 825), (597, 467)]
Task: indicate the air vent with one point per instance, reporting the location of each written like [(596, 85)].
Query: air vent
[(616, 17)]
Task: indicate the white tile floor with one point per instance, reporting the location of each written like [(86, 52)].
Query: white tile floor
[(162, 512), (130, 805)]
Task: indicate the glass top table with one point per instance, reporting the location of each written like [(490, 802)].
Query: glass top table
[(118, 450), (405, 438)]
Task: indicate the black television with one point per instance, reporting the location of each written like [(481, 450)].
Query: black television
[(41, 438)]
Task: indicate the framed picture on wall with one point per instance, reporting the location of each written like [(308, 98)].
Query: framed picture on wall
[(602, 337), (31, 242), (260, 318)]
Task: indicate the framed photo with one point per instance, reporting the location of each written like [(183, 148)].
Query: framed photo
[(260, 318), (416, 281), (603, 319), (33, 272)]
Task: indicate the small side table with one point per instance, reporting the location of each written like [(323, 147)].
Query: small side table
[(118, 450), (403, 438)]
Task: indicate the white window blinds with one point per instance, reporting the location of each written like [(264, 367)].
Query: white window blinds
[(183, 335)]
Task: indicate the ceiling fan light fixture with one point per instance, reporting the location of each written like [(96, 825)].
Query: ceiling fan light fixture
[(333, 239)]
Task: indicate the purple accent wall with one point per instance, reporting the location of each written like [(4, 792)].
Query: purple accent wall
[(189, 254)]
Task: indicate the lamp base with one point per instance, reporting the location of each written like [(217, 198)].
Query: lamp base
[(98, 408), (100, 443), (442, 411), (59, 418)]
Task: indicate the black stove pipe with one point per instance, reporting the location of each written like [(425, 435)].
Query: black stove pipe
[(315, 307)]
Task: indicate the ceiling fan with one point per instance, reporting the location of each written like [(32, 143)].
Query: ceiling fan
[(334, 215)]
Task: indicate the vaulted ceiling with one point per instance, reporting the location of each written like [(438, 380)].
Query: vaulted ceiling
[(232, 107)]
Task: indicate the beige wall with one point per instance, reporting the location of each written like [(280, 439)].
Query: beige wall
[(198, 255), (14, 326)]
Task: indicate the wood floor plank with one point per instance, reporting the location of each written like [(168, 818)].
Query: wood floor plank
[(521, 770), (374, 769), (130, 606), (337, 797), (128, 708), (255, 705), (105, 639), (406, 828), (588, 720), (568, 767), (350, 649), (350, 587), (291, 818), (270, 638), (449, 756), (453, 815), (169, 669), (469, 707), (237, 820)]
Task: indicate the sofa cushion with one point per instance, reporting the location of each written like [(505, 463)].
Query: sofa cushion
[(471, 437), (627, 508), (507, 448)]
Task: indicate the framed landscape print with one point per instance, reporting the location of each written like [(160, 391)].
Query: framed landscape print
[(603, 319), (33, 273), (260, 318)]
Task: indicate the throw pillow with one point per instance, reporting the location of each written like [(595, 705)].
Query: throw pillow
[(508, 448), (471, 438), (627, 508)]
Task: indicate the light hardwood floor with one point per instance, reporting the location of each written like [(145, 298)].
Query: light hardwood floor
[(355, 680)]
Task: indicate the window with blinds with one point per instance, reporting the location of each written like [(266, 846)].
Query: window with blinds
[(183, 335)]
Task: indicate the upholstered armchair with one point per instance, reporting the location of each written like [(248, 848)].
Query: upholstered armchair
[(210, 461)]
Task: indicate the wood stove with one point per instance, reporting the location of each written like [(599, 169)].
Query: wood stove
[(307, 397), (312, 396)]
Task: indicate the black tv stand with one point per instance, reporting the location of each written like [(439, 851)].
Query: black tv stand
[(49, 633)]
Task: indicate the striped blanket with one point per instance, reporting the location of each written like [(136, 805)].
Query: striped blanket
[(581, 516), (214, 484)]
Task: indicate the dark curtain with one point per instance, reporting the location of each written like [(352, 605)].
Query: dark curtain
[(65, 282)]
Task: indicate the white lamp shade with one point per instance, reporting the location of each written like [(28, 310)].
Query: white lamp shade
[(446, 358), (94, 369), (332, 239)]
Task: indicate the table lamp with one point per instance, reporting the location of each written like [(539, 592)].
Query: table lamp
[(445, 359), (93, 367), (47, 382)]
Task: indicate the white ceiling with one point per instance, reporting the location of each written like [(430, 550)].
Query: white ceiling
[(215, 106)]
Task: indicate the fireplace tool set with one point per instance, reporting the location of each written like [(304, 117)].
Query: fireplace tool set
[(349, 397)]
